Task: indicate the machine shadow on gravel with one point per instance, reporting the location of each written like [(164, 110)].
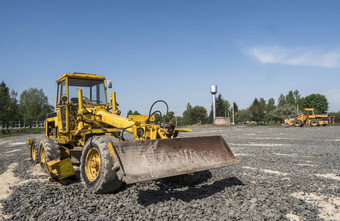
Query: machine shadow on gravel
[(203, 176), (167, 192)]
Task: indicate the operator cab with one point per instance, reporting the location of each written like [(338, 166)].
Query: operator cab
[(309, 111), (93, 88), (93, 91), (94, 94)]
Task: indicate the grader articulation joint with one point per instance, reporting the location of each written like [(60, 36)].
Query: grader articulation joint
[(87, 130)]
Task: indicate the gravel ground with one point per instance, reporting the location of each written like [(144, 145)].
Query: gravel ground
[(282, 174)]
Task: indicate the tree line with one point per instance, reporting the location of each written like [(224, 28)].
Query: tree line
[(288, 106), (31, 106), (261, 110)]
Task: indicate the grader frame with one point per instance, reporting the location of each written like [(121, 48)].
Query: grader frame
[(88, 130)]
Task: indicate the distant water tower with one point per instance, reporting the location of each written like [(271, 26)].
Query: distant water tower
[(213, 91)]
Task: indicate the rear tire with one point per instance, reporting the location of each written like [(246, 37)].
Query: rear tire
[(314, 123), (297, 123), (48, 150), (34, 149), (96, 166)]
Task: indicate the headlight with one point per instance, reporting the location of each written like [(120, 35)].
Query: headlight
[(140, 132)]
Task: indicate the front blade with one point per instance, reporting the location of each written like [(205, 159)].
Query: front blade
[(154, 159)]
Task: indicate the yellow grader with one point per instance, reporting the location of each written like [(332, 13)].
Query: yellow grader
[(308, 118), (87, 131)]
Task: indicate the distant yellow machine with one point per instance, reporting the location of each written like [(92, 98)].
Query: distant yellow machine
[(87, 130), (308, 118)]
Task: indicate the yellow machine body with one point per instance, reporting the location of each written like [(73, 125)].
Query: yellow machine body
[(308, 118), (83, 111)]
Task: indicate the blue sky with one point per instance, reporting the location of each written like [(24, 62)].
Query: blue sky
[(174, 50)]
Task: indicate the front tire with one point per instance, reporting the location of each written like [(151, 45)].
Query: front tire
[(297, 123), (314, 123), (96, 166)]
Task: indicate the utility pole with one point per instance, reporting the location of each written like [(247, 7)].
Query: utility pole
[(233, 114), (213, 91), (176, 117)]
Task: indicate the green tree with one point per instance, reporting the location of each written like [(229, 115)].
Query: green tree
[(297, 95), (257, 110), (220, 106), (336, 115), (187, 115), (157, 118), (34, 105), (226, 108), (132, 113), (194, 115), (263, 105), (242, 115), (5, 101), (317, 101), (290, 98), (271, 105), (167, 118), (171, 116), (282, 100), (199, 114), (235, 107), (282, 112), (129, 113), (14, 114)]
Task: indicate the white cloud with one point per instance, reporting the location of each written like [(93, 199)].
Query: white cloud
[(295, 56)]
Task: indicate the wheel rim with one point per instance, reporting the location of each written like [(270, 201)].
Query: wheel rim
[(314, 123), (33, 152), (297, 123), (92, 164), (42, 156)]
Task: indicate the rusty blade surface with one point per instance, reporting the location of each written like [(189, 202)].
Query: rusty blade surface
[(154, 159)]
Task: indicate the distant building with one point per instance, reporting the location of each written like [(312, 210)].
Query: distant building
[(222, 121)]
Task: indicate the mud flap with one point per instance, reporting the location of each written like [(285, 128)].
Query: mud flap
[(154, 159)]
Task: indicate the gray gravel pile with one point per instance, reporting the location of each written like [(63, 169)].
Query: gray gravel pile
[(274, 165)]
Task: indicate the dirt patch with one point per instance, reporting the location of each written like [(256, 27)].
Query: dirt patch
[(12, 151), (282, 154), (275, 138), (262, 144), (17, 144), (293, 217), (37, 171), (329, 207), (8, 180), (274, 172), (329, 176), (266, 171), (241, 154), (306, 164)]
